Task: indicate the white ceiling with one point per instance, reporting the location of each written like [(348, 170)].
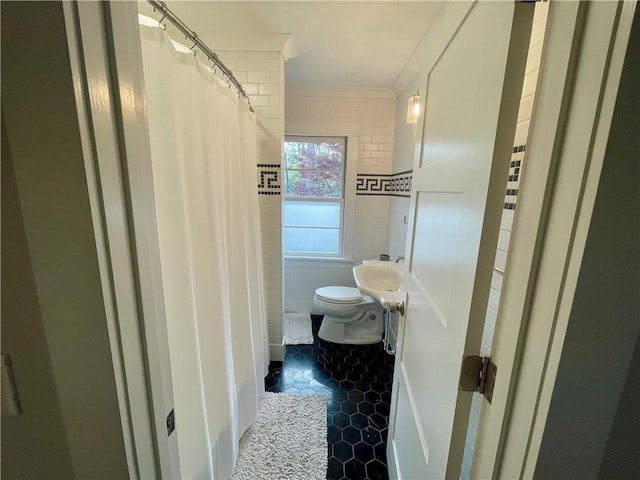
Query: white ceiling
[(339, 43)]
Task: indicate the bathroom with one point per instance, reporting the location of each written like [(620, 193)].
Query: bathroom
[(127, 363), (377, 182)]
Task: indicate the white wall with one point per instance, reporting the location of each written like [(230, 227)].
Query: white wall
[(303, 276), (403, 157), (39, 112), (372, 115), (262, 75)]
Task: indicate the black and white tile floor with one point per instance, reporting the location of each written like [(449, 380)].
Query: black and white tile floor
[(357, 382)]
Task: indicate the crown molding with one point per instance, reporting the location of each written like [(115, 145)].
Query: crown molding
[(252, 42), (353, 92)]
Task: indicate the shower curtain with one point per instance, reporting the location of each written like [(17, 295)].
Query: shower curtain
[(203, 141)]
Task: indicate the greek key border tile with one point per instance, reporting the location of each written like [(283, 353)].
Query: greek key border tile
[(397, 184), (269, 179), (372, 184), (513, 180)]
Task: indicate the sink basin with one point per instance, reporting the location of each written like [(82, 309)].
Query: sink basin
[(381, 280)]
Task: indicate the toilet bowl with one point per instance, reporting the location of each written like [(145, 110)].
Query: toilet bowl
[(349, 316)]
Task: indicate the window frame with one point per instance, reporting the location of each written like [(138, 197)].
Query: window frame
[(349, 132), (317, 199)]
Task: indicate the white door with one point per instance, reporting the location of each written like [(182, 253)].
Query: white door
[(470, 98)]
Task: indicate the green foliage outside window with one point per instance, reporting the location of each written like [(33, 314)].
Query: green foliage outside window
[(313, 169)]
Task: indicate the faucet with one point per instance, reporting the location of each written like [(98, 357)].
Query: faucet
[(399, 258)]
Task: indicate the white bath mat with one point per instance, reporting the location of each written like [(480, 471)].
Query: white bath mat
[(297, 329), (287, 441)]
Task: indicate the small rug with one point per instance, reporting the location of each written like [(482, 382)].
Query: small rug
[(297, 329), (287, 441)]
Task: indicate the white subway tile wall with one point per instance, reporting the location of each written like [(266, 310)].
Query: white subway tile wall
[(375, 116), (372, 216), (520, 140), (403, 157), (303, 277), (376, 120), (262, 76)]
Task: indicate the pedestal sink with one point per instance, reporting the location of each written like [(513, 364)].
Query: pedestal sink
[(382, 281)]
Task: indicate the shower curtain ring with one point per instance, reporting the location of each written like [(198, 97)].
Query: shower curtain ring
[(164, 6), (195, 41)]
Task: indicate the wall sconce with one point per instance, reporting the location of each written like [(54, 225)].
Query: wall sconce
[(413, 108)]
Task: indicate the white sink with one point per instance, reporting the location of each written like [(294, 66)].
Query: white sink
[(382, 281)]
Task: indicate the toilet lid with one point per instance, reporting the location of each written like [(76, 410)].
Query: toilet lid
[(340, 294)]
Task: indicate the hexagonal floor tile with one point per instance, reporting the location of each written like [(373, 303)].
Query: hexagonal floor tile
[(363, 452), (357, 382), (351, 435), (342, 450), (355, 469), (371, 436)]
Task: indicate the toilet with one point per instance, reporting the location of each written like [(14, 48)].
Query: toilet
[(349, 316)]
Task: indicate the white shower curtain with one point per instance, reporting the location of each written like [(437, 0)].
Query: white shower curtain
[(203, 142)]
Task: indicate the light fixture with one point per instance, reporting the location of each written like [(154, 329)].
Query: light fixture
[(413, 108)]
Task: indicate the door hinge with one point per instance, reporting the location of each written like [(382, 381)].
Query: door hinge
[(478, 374)]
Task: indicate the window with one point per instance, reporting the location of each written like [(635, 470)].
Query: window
[(314, 195)]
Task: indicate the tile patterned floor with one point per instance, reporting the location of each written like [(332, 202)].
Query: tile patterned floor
[(357, 382)]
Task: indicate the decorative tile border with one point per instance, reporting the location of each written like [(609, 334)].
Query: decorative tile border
[(397, 185), (401, 183), (373, 184), (513, 180), (269, 179)]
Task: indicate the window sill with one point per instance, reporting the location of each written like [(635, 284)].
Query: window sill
[(319, 262)]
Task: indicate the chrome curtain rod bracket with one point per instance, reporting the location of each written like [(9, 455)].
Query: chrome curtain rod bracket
[(193, 36)]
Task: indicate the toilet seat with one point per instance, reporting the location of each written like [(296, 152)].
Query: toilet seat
[(349, 316), (340, 295)]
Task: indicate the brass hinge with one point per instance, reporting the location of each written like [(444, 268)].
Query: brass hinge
[(478, 374)]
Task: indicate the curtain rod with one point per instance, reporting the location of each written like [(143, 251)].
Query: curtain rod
[(193, 36)]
